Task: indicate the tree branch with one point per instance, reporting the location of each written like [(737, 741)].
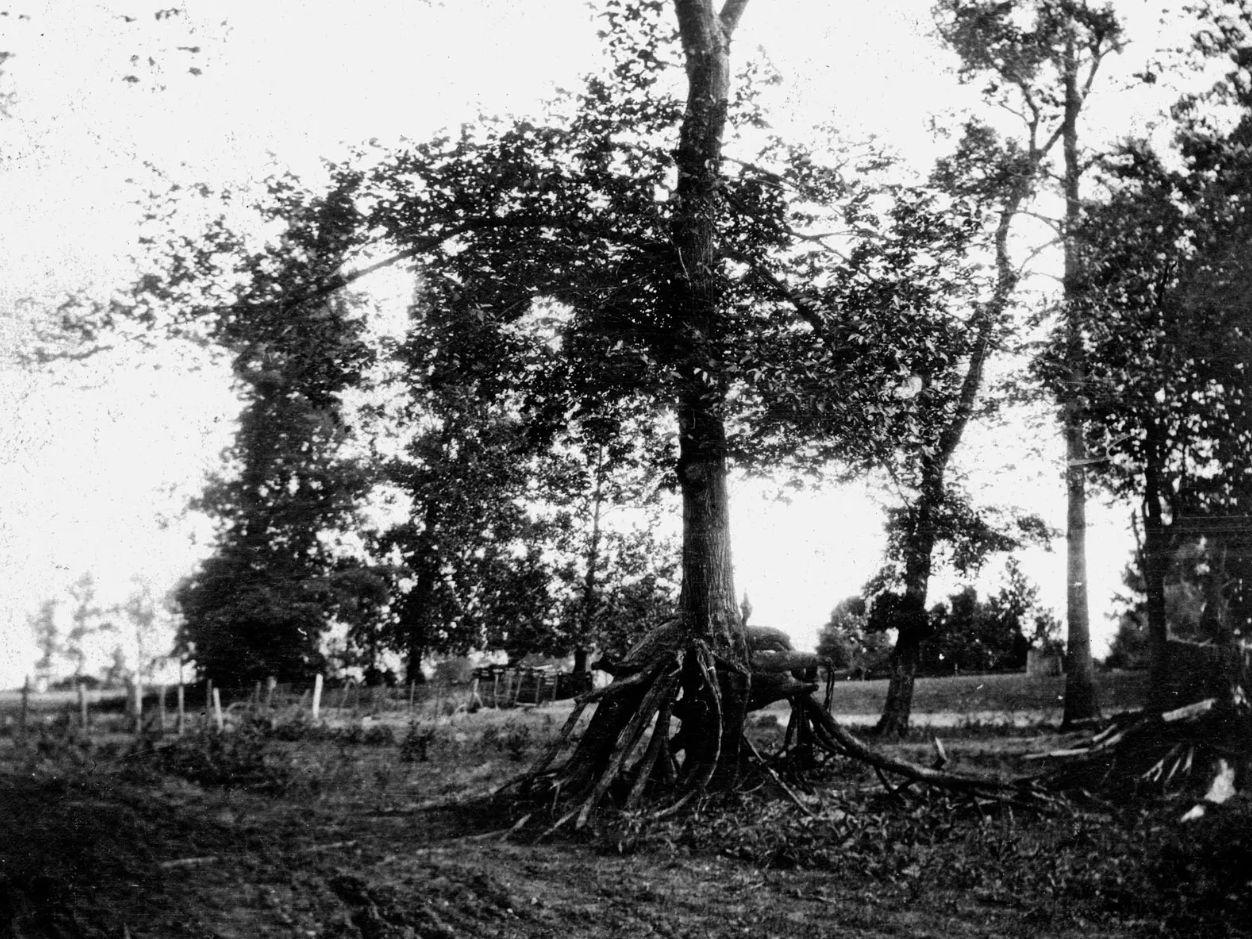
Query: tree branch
[(339, 281), (729, 17)]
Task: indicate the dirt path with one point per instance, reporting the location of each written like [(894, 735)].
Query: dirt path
[(113, 858)]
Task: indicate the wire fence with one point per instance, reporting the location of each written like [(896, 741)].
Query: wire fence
[(178, 708)]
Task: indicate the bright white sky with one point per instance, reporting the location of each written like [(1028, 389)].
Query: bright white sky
[(97, 460)]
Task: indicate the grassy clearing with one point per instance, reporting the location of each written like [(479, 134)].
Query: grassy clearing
[(1002, 700)]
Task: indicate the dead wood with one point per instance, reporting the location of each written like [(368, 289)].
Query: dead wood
[(1201, 753)]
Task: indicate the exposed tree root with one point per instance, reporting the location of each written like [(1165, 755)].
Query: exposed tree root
[(670, 729), (630, 754)]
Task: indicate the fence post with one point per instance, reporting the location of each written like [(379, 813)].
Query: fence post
[(21, 727), (138, 704), (208, 699), (217, 711), (270, 684), (82, 706), (181, 720), (317, 696), (161, 709), (495, 688)]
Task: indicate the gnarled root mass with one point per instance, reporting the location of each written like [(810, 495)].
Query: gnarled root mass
[(670, 728)]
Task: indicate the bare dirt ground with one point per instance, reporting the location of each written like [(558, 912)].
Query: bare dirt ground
[(356, 833)]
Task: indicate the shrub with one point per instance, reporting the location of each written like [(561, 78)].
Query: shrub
[(242, 759), (415, 747)]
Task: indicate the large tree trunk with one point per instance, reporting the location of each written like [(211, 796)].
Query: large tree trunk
[(711, 728), (1080, 692), (704, 652)]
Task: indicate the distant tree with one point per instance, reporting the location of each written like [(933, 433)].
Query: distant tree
[(47, 638), (259, 605), (636, 590), (972, 634), (88, 622), (847, 641), (464, 471), (118, 670)]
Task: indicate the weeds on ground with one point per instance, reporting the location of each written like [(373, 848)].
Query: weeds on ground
[(243, 759), (513, 737), (1138, 865)]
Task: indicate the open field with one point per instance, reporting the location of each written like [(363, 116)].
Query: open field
[(988, 699), (369, 831), (941, 702)]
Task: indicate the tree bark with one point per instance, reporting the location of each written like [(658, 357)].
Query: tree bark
[(708, 637), (1080, 693), (415, 622), (1155, 563), (711, 727), (911, 621), (1155, 566), (587, 613)]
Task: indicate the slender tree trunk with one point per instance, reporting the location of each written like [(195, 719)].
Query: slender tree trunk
[(1080, 692), (587, 613), (911, 621), (913, 625), (416, 612), (1155, 565)]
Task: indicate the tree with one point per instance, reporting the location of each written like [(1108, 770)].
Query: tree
[(87, 621), (991, 635), (47, 638), (466, 479), (1165, 318), (714, 705), (847, 642), (906, 325), (508, 543), (258, 606), (645, 283), (1042, 60)]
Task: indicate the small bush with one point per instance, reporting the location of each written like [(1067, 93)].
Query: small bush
[(242, 759), (513, 738), (415, 747)]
